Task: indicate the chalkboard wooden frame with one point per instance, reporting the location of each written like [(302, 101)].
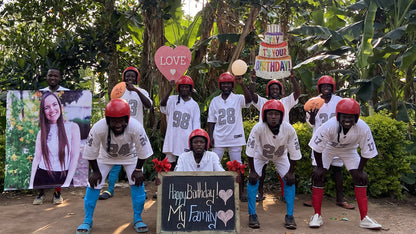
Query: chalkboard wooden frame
[(224, 181)]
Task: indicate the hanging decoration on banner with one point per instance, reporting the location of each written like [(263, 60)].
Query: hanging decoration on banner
[(173, 63), (118, 90), (239, 67)]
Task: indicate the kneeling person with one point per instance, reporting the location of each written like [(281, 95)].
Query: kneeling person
[(199, 158), (116, 140), (272, 137)]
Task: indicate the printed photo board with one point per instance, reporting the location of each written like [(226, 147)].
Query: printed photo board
[(27, 166)]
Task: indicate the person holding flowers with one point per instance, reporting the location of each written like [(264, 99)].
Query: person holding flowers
[(273, 137), (116, 140)]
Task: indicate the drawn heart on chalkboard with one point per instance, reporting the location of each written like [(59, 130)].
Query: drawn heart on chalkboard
[(225, 216), (225, 195)]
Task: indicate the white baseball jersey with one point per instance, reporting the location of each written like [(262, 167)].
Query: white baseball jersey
[(60, 88), (331, 142), (136, 105), (209, 162), (182, 119), (326, 112), (226, 114), (288, 103), (273, 147), (124, 149)]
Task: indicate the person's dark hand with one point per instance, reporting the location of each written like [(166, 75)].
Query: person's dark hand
[(239, 80), (292, 73), (95, 179), (318, 176), (157, 181), (172, 83), (289, 178), (211, 143), (238, 178), (313, 113), (253, 177), (137, 177), (130, 87), (253, 76), (360, 177)]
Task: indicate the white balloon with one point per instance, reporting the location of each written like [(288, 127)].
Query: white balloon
[(239, 67)]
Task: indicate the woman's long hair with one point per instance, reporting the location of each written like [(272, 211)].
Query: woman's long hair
[(44, 131)]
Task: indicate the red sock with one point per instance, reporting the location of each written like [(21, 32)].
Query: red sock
[(58, 189), (282, 186), (317, 196), (361, 196)]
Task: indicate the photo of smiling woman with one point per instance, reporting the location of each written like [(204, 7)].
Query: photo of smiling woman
[(57, 146)]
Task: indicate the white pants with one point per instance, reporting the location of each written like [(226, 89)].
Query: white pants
[(234, 152), (105, 169)]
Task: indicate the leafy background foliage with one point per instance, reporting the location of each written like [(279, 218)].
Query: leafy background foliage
[(367, 46)]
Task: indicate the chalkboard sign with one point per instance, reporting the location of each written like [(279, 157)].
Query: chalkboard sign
[(203, 202)]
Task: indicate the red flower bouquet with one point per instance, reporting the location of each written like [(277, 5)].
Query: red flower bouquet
[(236, 166), (160, 166)]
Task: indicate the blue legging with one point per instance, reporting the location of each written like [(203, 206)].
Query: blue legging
[(138, 198), (252, 192), (112, 178)]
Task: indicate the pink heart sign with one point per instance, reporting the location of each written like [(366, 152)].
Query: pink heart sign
[(173, 63), (225, 216)]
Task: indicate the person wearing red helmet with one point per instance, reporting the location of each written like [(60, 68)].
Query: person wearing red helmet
[(198, 158), (182, 117), (116, 139), (274, 137), (341, 136), (225, 121), (274, 90), (315, 118), (138, 100)]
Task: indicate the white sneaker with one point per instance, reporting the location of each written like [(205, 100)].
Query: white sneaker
[(39, 200), (316, 221), (369, 223)]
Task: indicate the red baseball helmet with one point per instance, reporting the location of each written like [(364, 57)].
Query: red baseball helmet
[(198, 132), (131, 69), (226, 77), (326, 80), (274, 82), (185, 80), (273, 105), (117, 108), (348, 106)]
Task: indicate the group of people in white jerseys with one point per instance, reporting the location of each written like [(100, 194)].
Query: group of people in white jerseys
[(119, 140)]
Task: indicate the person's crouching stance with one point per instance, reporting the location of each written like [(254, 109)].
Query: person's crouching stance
[(273, 137), (116, 140)]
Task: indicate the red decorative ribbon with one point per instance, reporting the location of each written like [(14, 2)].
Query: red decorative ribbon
[(236, 166), (163, 165)]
